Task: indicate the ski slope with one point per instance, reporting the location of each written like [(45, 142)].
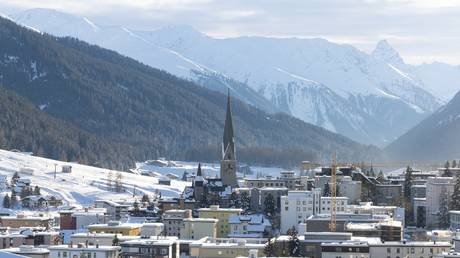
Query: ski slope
[(85, 184)]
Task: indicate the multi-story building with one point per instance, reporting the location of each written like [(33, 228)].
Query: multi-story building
[(347, 249), (326, 204), (385, 230), (173, 221), (409, 249), (287, 179), (249, 226), (164, 248), (350, 188), (22, 220), (116, 227), (197, 228), (454, 220), (437, 188), (258, 196), (81, 250), (298, 206), (222, 214), (225, 247), (115, 211)]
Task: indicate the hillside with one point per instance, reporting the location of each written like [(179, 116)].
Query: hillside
[(335, 86), (147, 111), (85, 184), (436, 138)]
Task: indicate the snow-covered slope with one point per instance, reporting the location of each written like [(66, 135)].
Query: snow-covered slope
[(85, 183), (331, 85)]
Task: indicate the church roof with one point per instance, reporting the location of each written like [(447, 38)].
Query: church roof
[(228, 144)]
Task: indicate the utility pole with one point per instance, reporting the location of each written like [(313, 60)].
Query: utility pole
[(55, 170), (333, 223)]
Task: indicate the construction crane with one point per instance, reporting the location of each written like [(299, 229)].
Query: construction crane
[(333, 223)]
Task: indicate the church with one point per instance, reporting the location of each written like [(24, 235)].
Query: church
[(208, 191)]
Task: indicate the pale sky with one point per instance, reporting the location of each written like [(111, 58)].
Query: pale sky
[(421, 31)]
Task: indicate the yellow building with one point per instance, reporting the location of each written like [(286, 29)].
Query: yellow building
[(222, 214), (115, 227)]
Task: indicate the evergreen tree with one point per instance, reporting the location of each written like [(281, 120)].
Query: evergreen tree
[(447, 171), (145, 198), (444, 210), (455, 200), (245, 202), (408, 178), (269, 204), (37, 190), (25, 191), (235, 200), (421, 217), (327, 190), (294, 243), (371, 172), (14, 199), (115, 240), (380, 176), (454, 163), (136, 209), (6, 201), (269, 248), (14, 179), (185, 175)]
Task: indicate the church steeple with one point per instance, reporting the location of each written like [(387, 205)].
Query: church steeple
[(228, 162), (198, 172), (228, 143)]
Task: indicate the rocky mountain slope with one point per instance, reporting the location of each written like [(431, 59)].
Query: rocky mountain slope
[(436, 138)]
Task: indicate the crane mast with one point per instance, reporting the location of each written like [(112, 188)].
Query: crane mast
[(333, 222)]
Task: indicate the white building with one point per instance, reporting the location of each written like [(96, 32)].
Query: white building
[(347, 249), (326, 204), (351, 189), (297, 206), (152, 229), (454, 217), (80, 250), (437, 188), (409, 249), (197, 228), (249, 226)]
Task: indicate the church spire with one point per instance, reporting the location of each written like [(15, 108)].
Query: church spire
[(198, 172), (228, 144)]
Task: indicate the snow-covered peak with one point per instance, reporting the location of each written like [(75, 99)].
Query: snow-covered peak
[(57, 22), (386, 53)]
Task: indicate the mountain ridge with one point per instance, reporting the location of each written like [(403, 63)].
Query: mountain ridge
[(277, 74), (153, 113)]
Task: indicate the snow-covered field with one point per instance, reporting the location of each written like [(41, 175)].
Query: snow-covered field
[(178, 168), (85, 183)]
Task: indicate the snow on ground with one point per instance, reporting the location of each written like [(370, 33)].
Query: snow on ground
[(208, 169), (85, 184)]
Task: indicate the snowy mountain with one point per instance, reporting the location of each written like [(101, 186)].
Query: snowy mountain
[(370, 98)]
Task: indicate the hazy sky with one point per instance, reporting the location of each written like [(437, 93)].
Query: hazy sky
[(422, 31)]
